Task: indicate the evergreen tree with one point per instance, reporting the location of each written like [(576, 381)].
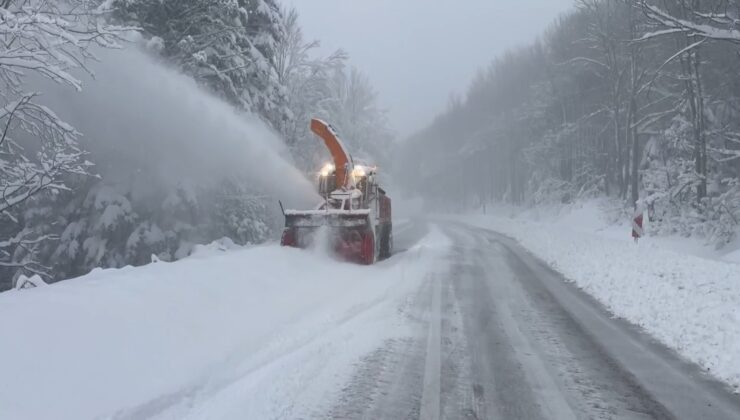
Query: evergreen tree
[(228, 45)]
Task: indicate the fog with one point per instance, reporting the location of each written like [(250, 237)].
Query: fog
[(149, 126), (418, 52)]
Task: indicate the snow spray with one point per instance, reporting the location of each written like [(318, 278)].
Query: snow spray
[(170, 131), (321, 241)]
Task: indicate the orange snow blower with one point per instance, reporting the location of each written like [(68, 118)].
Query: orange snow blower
[(355, 210)]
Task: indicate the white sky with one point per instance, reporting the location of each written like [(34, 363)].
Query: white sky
[(418, 52)]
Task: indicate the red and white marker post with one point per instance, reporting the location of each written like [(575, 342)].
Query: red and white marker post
[(637, 230)]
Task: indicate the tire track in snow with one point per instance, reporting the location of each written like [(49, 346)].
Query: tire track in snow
[(179, 403), (430, 400)]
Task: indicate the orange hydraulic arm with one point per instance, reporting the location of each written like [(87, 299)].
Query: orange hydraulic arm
[(342, 159)]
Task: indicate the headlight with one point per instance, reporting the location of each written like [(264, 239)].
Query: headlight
[(327, 169)]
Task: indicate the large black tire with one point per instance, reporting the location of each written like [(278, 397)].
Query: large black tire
[(386, 241)]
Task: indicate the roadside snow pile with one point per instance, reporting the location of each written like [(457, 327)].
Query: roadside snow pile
[(689, 303), (222, 245), (265, 332), (24, 282)]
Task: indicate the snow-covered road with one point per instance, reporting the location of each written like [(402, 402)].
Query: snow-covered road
[(499, 335), (460, 323), (681, 294)]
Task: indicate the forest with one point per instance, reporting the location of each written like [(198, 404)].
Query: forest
[(67, 208), (633, 100)]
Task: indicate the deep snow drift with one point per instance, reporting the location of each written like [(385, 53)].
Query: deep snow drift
[(258, 333), (689, 303)]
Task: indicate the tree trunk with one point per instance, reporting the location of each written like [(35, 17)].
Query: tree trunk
[(631, 128), (700, 135), (691, 63)]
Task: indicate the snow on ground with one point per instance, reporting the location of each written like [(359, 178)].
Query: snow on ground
[(690, 303), (598, 217), (265, 332)]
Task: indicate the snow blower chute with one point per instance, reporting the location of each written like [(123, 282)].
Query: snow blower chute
[(355, 211)]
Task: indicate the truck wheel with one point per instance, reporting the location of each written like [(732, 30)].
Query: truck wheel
[(386, 242), (390, 241), (369, 249)]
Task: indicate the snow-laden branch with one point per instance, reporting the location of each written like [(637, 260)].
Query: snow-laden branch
[(727, 31), (23, 238), (727, 154), (52, 39), (17, 252)]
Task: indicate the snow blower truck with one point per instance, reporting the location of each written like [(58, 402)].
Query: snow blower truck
[(355, 211)]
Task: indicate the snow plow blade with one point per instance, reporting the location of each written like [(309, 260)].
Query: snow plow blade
[(349, 234), (318, 218)]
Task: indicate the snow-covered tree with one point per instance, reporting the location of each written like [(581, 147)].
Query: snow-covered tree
[(353, 109), (326, 88), (38, 150), (242, 214), (228, 45), (632, 99), (307, 79)]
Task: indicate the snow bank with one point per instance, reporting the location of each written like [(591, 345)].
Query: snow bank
[(605, 218), (265, 332), (690, 304), (25, 282)]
